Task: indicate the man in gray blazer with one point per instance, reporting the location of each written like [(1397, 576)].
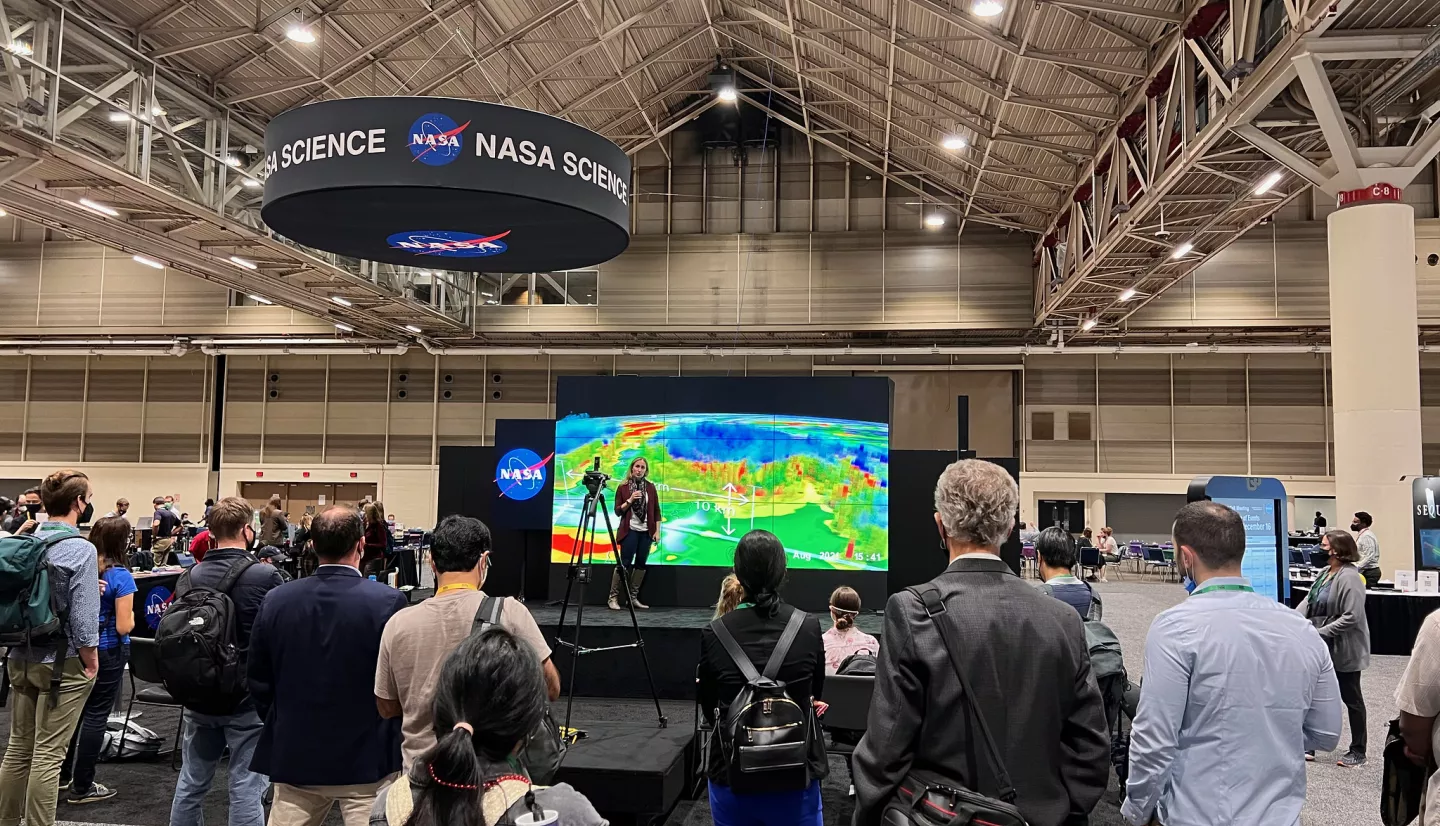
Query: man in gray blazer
[(1024, 654)]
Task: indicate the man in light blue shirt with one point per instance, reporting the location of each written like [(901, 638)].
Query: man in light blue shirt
[(1236, 689)]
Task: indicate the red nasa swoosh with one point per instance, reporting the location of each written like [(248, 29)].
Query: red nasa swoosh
[(452, 133), (542, 463), (460, 245)]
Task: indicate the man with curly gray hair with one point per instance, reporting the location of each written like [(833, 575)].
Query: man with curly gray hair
[(1024, 655)]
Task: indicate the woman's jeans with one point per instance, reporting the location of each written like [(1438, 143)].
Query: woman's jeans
[(635, 549), (79, 766), (800, 808)]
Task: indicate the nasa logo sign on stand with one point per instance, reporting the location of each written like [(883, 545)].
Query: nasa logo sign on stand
[(479, 186), (520, 473)]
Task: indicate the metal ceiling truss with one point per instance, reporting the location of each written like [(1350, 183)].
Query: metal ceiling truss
[(1106, 254)]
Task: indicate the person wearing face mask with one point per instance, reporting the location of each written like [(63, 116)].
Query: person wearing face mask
[(28, 513), (44, 711), (1236, 687), (637, 503), (1369, 545), (163, 529), (207, 735), (1336, 607)]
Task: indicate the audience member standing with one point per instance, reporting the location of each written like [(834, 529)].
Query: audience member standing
[(757, 626), (418, 639), (122, 507), (1369, 544), (1055, 550), (377, 541), (324, 742), (1418, 698), (1320, 523), (208, 735), (111, 538), (1025, 657), (1336, 607), (274, 530), (1236, 688), (163, 529), (42, 719), (844, 639), (489, 696)]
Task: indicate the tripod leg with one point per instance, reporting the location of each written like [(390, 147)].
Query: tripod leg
[(634, 621), (576, 549), (583, 550)]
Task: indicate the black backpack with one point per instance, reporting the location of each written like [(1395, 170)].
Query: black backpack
[(544, 749), (859, 664), (197, 646), (765, 737)]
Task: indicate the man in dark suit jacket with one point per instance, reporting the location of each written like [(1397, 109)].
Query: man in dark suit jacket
[(313, 654), (1024, 655)]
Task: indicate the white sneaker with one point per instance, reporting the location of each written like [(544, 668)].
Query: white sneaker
[(851, 793)]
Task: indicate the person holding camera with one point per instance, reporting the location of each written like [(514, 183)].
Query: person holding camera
[(637, 503)]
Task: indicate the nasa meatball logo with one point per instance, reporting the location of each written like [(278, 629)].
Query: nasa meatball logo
[(521, 474), (448, 244), (156, 603), (436, 139)]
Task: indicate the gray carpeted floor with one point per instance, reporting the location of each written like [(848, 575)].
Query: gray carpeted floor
[(1335, 796)]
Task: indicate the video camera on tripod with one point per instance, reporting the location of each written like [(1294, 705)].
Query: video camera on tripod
[(595, 478)]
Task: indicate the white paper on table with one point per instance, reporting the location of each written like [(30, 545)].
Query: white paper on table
[(1405, 581), (1428, 582)]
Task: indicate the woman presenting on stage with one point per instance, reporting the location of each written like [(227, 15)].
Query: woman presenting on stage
[(637, 503)]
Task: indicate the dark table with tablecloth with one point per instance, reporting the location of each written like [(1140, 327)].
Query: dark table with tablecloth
[(1394, 616), (153, 593)]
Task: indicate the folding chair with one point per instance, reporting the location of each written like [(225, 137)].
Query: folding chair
[(145, 667)]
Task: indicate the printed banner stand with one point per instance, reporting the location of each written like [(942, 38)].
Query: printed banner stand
[(446, 184), (1260, 501), (1424, 491)]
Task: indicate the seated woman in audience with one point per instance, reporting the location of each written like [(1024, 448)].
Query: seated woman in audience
[(757, 625), (731, 595), (1057, 557), (1109, 550), (489, 697), (844, 638)]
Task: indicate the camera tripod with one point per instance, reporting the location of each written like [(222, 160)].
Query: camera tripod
[(582, 557)]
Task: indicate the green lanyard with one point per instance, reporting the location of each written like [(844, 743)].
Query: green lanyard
[(1221, 587), (1318, 587), (745, 605)]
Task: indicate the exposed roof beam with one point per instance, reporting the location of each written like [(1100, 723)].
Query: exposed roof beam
[(1122, 9)]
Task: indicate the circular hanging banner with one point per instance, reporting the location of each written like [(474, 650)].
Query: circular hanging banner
[(446, 184)]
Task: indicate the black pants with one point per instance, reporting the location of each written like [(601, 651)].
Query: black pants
[(1372, 576), (1355, 705), (79, 765), (635, 549)]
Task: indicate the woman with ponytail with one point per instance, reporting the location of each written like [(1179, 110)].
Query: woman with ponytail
[(490, 696), (845, 639), (757, 625)]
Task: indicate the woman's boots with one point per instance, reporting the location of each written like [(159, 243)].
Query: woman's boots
[(637, 578)]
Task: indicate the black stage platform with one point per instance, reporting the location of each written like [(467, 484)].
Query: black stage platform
[(632, 769), (672, 643)]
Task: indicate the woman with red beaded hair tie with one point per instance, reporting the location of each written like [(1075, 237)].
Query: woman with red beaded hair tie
[(490, 696)]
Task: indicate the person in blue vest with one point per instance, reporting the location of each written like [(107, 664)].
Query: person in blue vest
[(324, 741)]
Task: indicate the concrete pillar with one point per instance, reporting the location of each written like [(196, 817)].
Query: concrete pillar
[(1095, 511), (1376, 371), (1290, 522)]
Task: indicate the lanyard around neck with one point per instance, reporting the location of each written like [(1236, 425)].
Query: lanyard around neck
[(1205, 589), (456, 586)]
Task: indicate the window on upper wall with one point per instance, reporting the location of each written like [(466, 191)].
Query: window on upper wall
[(1273, 26), (1042, 426), (574, 288), (1079, 423)]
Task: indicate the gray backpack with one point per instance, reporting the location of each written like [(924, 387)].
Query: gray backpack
[(1106, 658)]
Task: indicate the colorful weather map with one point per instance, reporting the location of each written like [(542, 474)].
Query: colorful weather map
[(821, 485)]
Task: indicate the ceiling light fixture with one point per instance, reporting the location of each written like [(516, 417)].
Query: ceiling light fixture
[(1182, 250), (157, 111), (1128, 294), (20, 47), (149, 262), (343, 302), (1269, 182), (488, 295), (3, 213), (987, 8), (412, 328), (934, 220), (95, 206), (955, 142), (300, 34), (119, 117), (344, 328), (250, 183), (241, 262), (260, 299), (232, 161), (1088, 324), (727, 94)]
